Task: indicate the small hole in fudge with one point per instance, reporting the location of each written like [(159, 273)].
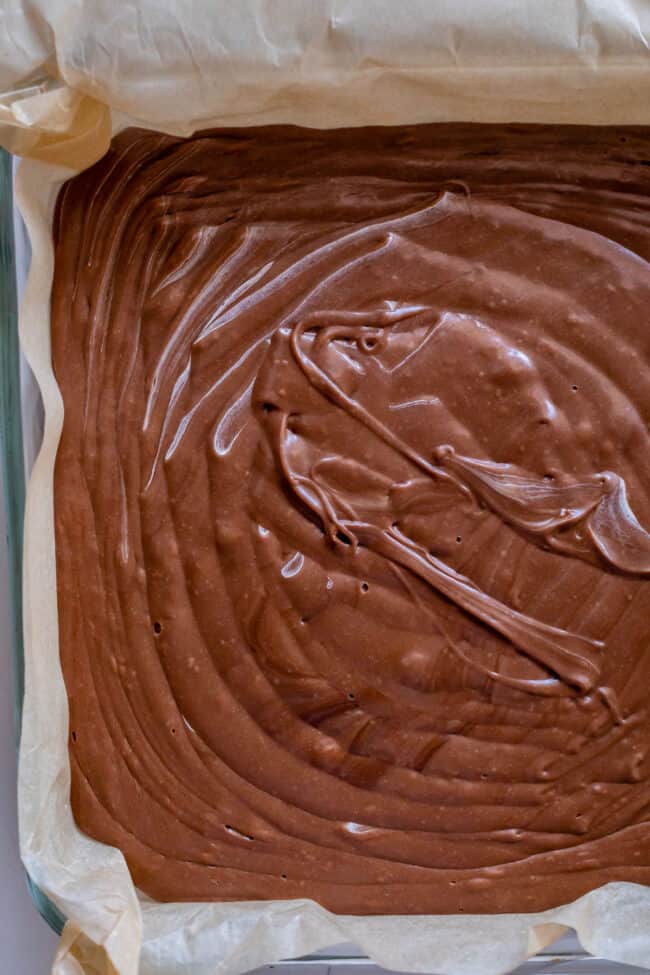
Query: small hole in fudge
[(364, 587), (269, 407), (458, 538), (157, 627), (549, 477), (342, 537), (283, 876), (352, 696), (173, 731), (574, 387), (74, 735), (622, 139)]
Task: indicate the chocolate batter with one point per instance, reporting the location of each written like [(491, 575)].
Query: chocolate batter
[(352, 512)]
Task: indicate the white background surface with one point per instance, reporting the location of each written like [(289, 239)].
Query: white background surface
[(26, 942)]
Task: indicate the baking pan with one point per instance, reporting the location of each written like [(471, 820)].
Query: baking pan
[(20, 432)]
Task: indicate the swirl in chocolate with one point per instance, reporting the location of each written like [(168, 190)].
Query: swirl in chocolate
[(352, 510)]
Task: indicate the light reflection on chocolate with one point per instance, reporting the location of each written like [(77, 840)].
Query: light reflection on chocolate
[(352, 512)]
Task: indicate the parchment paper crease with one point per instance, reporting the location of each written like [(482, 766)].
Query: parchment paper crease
[(74, 72)]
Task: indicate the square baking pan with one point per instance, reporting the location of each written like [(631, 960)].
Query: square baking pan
[(20, 434)]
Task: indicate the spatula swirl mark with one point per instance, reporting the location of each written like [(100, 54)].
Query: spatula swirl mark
[(589, 519)]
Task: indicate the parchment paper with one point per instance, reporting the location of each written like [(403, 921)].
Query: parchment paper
[(75, 72)]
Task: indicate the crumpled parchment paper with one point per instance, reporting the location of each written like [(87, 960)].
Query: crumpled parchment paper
[(73, 73)]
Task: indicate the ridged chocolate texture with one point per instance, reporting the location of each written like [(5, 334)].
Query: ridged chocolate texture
[(352, 502)]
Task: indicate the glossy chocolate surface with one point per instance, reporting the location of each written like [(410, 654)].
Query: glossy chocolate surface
[(352, 509)]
